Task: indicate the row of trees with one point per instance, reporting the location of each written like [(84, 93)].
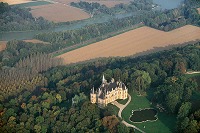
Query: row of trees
[(15, 18), (132, 7), (25, 75), (92, 8)]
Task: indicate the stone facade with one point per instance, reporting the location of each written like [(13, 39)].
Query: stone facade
[(108, 92)]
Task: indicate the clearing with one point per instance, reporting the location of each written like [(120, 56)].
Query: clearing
[(58, 12), (135, 42), (14, 2), (2, 45)]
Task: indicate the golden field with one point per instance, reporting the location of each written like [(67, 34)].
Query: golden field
[(133, 42), (13, 2)]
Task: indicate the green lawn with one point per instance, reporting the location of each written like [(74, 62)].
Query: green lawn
[(165, 123)]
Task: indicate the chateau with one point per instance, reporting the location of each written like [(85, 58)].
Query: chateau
[(108, 92)]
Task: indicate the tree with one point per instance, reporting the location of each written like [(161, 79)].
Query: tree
[(184, 110), (121, 128), (171, 102), (142, 80), (59, 98), (192, 127)]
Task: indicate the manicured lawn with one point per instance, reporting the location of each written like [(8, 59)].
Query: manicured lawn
[(165, 123)]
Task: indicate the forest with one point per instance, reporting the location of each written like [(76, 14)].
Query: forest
[(39, 94), (96, 9), (43, 98), (14, 18)]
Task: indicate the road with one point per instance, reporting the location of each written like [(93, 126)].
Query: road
[(121, 108)]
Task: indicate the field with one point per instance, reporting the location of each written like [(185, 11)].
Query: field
[(108, 3), (13, 2), (134, 42), (2, 45), (58, 12)]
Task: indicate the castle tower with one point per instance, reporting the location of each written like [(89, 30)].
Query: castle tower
[(103, 79), (93, 97)]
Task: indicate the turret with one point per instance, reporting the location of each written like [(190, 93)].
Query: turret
[(93, 97), (103, 79)]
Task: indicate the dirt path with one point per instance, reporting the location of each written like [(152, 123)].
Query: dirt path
[(192, 72), (121, 108)]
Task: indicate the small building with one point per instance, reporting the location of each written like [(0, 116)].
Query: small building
[(108, 92)]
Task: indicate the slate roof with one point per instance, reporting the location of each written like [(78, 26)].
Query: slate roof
[(105, 87)]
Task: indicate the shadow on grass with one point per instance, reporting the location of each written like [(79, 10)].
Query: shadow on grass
[(165, 123)]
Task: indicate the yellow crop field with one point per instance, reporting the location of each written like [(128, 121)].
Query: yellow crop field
[(133, 42), (13, 2)]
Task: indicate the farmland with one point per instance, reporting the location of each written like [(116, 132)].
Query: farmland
[(14, 2), (58, 12), (133, 42)]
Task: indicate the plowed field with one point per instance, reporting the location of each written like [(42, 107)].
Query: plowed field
[(58, 12)]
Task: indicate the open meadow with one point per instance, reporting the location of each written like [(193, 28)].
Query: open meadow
[(58, 12), (134, 42)]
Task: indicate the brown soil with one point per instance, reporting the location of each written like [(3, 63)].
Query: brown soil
[(59, 12), (133, 42), (13, 2), (2, 45), (36, 41)]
